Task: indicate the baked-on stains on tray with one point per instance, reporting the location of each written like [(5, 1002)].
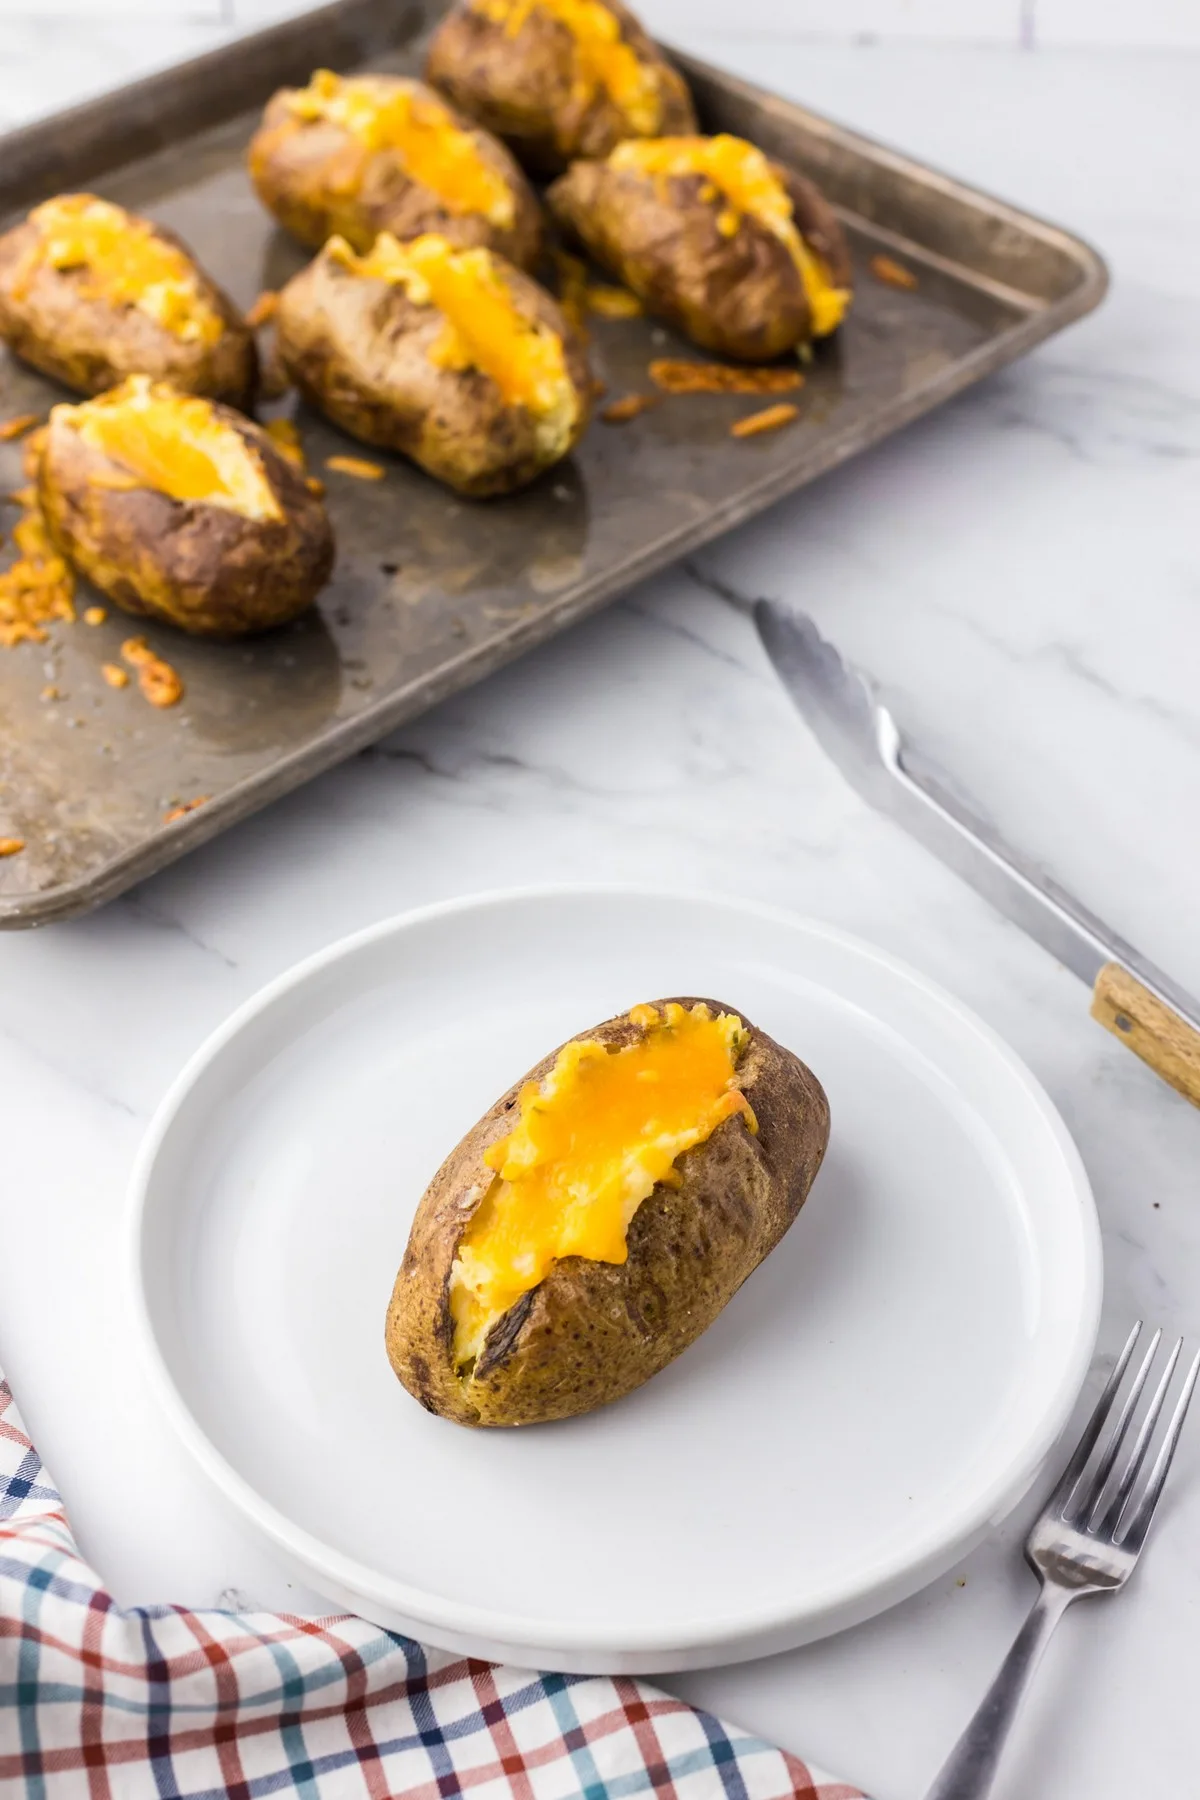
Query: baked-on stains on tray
[(431, 593)]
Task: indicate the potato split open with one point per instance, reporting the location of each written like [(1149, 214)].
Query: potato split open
[(594, 1138), (122, 258), (598, 1218), (558, 79), (181, 509), (179, 446), (382, 113), (750, 187)]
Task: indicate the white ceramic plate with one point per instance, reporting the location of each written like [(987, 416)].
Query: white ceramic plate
[(883, 1388)]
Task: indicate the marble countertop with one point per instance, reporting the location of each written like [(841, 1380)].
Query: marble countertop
[(1021, 573)]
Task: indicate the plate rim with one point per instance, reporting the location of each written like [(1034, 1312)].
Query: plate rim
[(459, 1625)]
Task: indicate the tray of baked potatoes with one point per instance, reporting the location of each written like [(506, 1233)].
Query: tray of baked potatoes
[(345, 363)]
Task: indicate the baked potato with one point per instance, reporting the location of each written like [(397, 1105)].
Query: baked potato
[(90, 293), (572, 1245), (361, 154), (558, 79), (742, 255), (452, 357), (180, 509)]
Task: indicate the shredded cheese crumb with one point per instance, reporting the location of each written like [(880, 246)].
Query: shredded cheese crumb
[(611, 302), (11, 846), (263, 310), (892, 273), (630, 406), (773, 418), (186, 806), (39, 586), (721, 378), (160, 684), (358, 466), (17, 427)]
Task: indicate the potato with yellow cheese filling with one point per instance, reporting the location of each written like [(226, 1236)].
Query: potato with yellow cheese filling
[(558, 79), (742, 255), (599, 1217), (451, 357), (180, 509), (359, 154), (90, 293)]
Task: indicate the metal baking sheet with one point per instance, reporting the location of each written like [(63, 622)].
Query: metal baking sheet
[(432, 593)]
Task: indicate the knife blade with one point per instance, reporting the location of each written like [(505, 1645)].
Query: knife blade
[(1137, 1002)]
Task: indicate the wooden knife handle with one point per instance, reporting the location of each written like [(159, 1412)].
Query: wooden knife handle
[(1150, 1029)]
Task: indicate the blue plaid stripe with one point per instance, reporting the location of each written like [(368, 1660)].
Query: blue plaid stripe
[(23, 1486), (158, 1716), (678, 1768), (291, 1730), (429, 1729), (558, 1691), (28, 1682), (725, 1756)]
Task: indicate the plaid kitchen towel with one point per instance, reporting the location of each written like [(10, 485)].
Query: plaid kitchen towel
[(111, 1703)]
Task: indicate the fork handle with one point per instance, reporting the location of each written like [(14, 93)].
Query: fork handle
[(970, 1768)]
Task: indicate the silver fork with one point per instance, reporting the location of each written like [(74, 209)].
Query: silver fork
[(1087, 1540)]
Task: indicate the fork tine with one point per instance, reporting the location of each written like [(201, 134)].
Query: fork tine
[(1139, 1523), (1095, 1425), (1108, 1520), (1112, 1449)]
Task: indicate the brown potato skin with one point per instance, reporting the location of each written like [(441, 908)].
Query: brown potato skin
[(357, 349), (592, 1331), (90, 344), (291, 163), (207, 570), (520, 87), (739, 297)]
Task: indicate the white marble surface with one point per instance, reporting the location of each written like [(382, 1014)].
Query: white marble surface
[(1029, 23), (1022, 572)]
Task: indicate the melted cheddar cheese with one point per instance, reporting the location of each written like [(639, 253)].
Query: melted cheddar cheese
[(604, 62), (482, 326), (176, 444), (593, 1139), (744, 185), (382, 112), (124, 261)]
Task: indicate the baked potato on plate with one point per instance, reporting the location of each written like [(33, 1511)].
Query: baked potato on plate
[(90, 293), (558, 79), (360, 154), (452, 357), (742, 255), (181, 509), (598, 1218)]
